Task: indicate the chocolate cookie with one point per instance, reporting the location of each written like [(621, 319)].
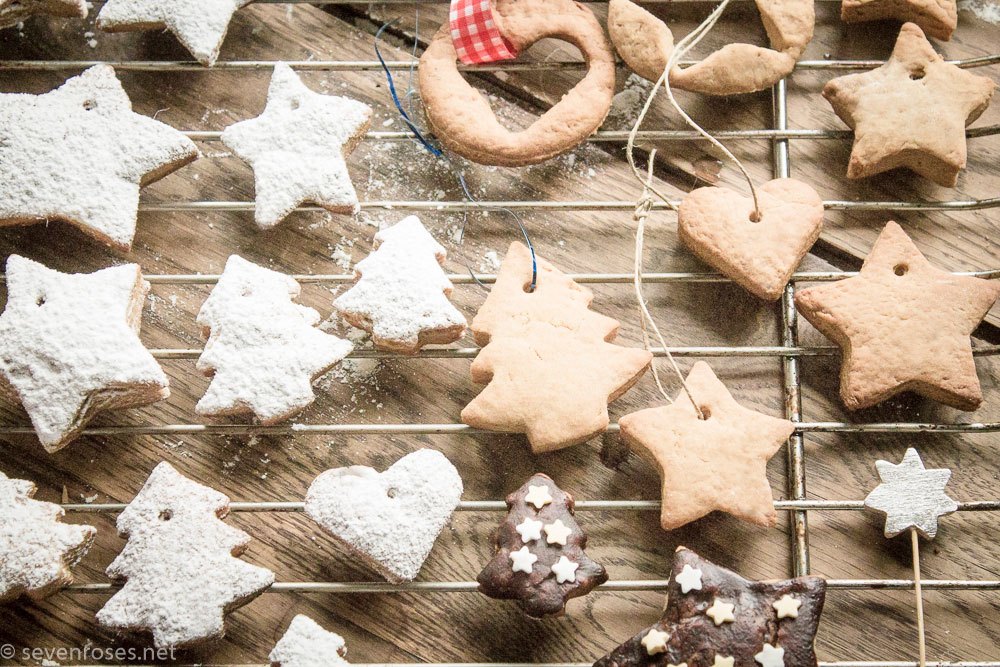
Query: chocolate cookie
[(540, 559)]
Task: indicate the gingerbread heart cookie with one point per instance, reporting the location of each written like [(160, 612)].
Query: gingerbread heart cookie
[(718, 225), (389, 519)]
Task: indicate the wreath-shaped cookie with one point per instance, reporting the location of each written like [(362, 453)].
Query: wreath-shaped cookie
[(645, 43), (461, 116)]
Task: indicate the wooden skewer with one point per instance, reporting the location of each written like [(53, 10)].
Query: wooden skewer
[(921, 639)]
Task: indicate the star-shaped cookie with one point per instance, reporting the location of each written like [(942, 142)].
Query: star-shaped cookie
[(69, 346), (757, 633), (910, 112), (298, 147), (13, 12), (938, 18), (715, 463), (79, 154), (911, 496), (903, 325), (200, 25)]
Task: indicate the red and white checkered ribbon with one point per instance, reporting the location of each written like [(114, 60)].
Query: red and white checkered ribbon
[(475, 34)]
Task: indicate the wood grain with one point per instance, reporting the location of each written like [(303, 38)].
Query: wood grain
[(464, 626)]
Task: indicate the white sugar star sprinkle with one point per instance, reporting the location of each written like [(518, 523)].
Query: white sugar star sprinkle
[(655, 641), (529, 529), (787, 606), (538, 496), (721, 612), (298, 146), (557, 532), (723, 661), (770, 656), (911, 496), (565, 570), (79, 154), (522, 560), (689, 579)]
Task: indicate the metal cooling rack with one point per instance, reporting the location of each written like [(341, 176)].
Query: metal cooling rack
[(789, 350)]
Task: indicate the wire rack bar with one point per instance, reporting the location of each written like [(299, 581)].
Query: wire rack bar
[(822, 663)]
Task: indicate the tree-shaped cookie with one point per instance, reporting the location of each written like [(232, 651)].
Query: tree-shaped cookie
[(36, 549), (548, 361), (264, 350), (540, 559), (307, 644), (401, 296), (180, 566)]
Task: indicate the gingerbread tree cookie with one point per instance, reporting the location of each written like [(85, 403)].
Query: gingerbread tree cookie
[(37, 550), (307, 644), (69, 347), (910, 112), (548, 361), (263, 351), (401, 296), (716, 618), (715, 463), (79, 154), (540, 559), (180, 566), (903, 325), (298, 148)]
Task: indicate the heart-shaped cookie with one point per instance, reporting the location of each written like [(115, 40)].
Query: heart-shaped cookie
[(716, 224), (389, 519)]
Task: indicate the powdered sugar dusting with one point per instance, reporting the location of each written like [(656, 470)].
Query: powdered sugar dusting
[(264, 350), (307, 644), (389, 519), (79, 154), (401, 296), (68, 343), (180, 563), (36, 550), (297, 148)]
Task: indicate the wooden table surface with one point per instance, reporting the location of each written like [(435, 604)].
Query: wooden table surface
[(466, 627)]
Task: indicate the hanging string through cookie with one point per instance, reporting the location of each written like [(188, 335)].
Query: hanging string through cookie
[(434, 150)]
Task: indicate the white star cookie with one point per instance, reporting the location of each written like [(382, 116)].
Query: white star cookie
[(79, 154), (13, 12), (180, 567), (307, 644), (264, 351), (298, 147), (36, 549), (69, 347), (911, 496), (200, 25), (401, 296), (389, 519)]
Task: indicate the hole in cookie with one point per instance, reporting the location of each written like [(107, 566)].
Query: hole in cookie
[(246, 291), (294, 103), (706, 412), (918, 75), (89, 104), (900, 269), (755, 216), (166, 515), (40, 301), (391, 492)]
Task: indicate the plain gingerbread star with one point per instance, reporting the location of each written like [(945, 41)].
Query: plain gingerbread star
[(716, 463), (298, 147), (910, 112), (69, 346), (911, 496), (79, 154), (938, 18), (200, 25), (903, 325)]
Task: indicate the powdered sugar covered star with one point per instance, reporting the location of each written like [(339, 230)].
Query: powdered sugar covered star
[(298, 147), (79, 154), (911, 496), (200, 25)]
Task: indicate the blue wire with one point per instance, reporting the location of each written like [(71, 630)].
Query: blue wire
[(437, 152)]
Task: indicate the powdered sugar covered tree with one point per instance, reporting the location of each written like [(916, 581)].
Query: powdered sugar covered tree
[(401, 296)]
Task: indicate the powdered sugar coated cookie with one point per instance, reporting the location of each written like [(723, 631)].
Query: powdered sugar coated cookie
[(69, 346), (307, 644), (389, 519), (79, 154), (401, 296), (298, 147), (180, 565), (36, 549), (264, 351)]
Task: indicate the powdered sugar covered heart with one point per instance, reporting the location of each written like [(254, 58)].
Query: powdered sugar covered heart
[(390, 519), (401, 296), (307, 644)]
